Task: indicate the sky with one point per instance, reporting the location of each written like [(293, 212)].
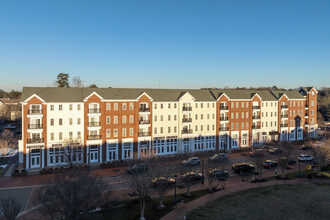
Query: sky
[(165, 43)]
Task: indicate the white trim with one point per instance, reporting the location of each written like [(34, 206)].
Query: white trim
[(257, 95), (222, 95), (144, 93), (34, 95), (93, 93), (118, 100), (193, 98)]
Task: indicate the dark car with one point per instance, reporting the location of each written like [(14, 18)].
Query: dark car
[(270, 164), (218, 157), (162, 181), (219, 174), (305, 147), (194, 177), (243, 167), (137, 168), (192, 161), (291, 161)]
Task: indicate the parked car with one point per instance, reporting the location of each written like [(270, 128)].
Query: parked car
[(253, 153), (275, 150), (137, 168), (218, 157), (161, 181), (305, 158), (270, 164), (305, 147), (192, 161), (194, 177), (219, 174), (243, 167)]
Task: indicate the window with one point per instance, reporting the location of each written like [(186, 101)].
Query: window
[(169, 130), (161, 130), (213, 116), (232, 115), (266, 104), (161, 118), (232, 126), (108, 107), (70, 135), (266, 114), (131, 119), (201, 116), (161, 106), (262, 114), (312, 103), (78, 107), (60, 136), (271, 114), (298, 104), (196, 116), (262, 104), (208, 127), (242, 113), (131, 132), (115, 106), (236, 113), (213, 105), (155, 130), (208, 105), (271, 104), (131, 106), (124, 132), (196, 128), (78, 121), (52, 122), (108, 120), (174, 105), (242, 125), (155, 118), (247, 114), (242, 104), (52, 136), (60, 121), (169, 105), (232, 105), (174, 117), (294, 104), (201, 105), (237, 126), (115, 133), (124, 106), (247, 104), (213, 127), (60, 107), (115, 120), (70, 107), (174, 129), (124, 119), (155, 106), (78, 134), (52, 107), (70, 121), (169, 117), (247, 125), (294, 113), (312, 112), (201, 127), (266, 124), (208, 116)]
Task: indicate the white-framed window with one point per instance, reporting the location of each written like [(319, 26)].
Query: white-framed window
[(70, 107), (131, 119), (112, 151), (115, 132), (108, 133), (131, 106), (70, 121), (78, 107), (115, 106), (108, 120), (108, 107), (78, 121), (115, 120), (124, 106), (127, 152), (159, 146), (131, 133), (52, 107), (124, 119), (124, 132), (60, 107), (198, 143)]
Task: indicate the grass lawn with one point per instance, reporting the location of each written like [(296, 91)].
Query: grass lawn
[(291, 201), (131, 210)]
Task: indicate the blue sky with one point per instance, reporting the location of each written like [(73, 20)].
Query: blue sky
[(185, 44)]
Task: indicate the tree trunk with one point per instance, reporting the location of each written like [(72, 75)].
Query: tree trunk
[(142, 209), (161, 205), (283, 172), (188, 191), (210, 184)]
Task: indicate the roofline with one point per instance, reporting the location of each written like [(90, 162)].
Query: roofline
[(34, 95)]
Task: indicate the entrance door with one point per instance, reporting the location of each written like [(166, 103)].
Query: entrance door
[(94, 154), (186, 145), (35, 158)]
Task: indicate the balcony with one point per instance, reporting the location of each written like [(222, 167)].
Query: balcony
[(94, 110), (306, 106), (187, 131), (223, 107), (223, 118), (94, 124), (144, 122), (94, 137), (284, 116), (144, 109), (184, 108), (34, 126), (256, 117), (35, 140), (187, 120), (284, 125), (256, 107), (255, 126), (224, 129), (284, 106), (144, 134), (35, 111)]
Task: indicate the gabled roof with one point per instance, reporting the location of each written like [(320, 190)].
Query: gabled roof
[(244, 94), (291, 94), (307, 89)]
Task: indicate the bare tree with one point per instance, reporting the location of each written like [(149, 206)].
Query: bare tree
[(4, 112), (141, 184), (321, 153), (72, 152), (6, 140), (162, 180), (71, 194), (209, 167), (258, 158), (77, 82), (185, 173), (286, 150), (11, 208)]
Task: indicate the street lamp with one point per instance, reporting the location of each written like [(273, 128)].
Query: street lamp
[(175, 176)]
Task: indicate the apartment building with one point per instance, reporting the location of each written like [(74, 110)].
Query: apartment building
[(94, 125)]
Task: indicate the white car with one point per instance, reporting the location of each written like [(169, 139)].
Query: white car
[(305, 158)]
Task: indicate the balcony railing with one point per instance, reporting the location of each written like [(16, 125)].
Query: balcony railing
[(35, 140), (284, 125), (184, 108), (35, 111), (256, 107), (144, 122), (34, 126), (187, 120), (94, 137), (255, 126), (223, 118), (144, 134), (284, 106), (93, 110), (306, 106), (224, 128), (256, 117), (144, 109), (284, 116), (306, 114), (94, 124), (187, 131), (223, 107)]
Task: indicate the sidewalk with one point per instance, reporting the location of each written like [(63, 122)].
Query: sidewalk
[(183, 209)]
